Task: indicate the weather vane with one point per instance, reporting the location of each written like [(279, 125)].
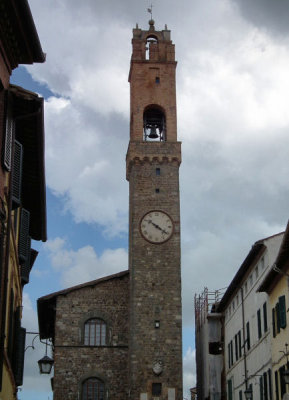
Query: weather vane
[(150, 10)]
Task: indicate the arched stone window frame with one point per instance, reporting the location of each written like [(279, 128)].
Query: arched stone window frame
[(90, 375), (95, 315), (153, 40), (148, 112)]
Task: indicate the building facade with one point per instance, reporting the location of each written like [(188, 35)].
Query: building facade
[(246, 331), (209, 345), (149, 350), (22, 185), (276, 285)]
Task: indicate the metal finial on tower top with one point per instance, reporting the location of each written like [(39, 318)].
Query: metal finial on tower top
[(150, 10)]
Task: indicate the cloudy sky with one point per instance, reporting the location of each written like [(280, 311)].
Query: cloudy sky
[(233, 121)]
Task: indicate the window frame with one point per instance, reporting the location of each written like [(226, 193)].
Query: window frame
[(96, 338), (93, 378)]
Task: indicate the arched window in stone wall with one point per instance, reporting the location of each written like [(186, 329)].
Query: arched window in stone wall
[(151, 46), (92, 389), (95, 332), (154, 124)]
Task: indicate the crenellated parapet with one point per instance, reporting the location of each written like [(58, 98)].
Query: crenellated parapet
[(150, 152)]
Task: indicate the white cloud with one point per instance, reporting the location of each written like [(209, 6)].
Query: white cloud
[(189, 375), (233, 91), (83, 265), (35, 350)]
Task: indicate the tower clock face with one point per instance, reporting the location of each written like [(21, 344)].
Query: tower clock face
[(156, 226)]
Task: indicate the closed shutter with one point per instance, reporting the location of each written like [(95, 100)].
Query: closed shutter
[(261, 387), (230, 389), (26, 266), (23, 240), (276, 385), (273, 322), (265, 386), (282, 311), (259, 323), (277, 311), (9, 134), (17, 174), (269, 384), (248, 335), (282, 381), (19, 356), (265, 317)]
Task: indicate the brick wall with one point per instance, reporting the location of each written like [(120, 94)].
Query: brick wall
[(75, 362)]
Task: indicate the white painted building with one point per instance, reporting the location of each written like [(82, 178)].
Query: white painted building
[(241, 325), (247, 325)]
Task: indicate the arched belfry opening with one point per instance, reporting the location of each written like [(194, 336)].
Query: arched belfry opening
[(154, 124), (151, 47)]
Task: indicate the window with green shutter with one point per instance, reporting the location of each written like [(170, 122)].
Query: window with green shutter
[(276, 386), (230, 389), (248, 335), (282, 311), (261, 387), (277, 312), (273, 322), (265, 324), (259, 323)]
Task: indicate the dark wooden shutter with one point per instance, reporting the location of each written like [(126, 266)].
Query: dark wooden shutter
[(19, 356), (282, 381), (277, 312), (240, 343), (269, 383), (26, 266), (282, 311), (276, 385), (9, 134), (17, 174), (265, 386), (248, 335), (23, 240), (261, 387), (230, 389), (259, 323), (265, 317), (273, 322)]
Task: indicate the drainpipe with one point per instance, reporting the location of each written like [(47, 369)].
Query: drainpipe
[(245, 341)]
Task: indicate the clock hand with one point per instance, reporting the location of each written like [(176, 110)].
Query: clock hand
[(158, 227)]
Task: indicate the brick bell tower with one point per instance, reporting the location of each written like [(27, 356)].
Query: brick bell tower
[(153, 160)]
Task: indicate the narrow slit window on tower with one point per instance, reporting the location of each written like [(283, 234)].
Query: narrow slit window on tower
[(158, 171), (157, 79), (156, 389)]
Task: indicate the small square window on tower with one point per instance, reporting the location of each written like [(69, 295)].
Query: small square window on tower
[(157, 190), (156, 389)]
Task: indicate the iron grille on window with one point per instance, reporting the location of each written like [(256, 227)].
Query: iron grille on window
[(93, 389), (95, 332)]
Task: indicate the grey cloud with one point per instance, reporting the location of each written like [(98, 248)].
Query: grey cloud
[(266, 14)]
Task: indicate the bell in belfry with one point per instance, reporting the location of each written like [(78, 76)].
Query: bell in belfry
[(153, 133)]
